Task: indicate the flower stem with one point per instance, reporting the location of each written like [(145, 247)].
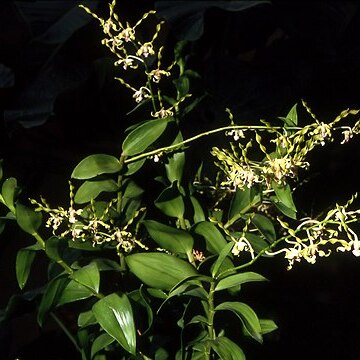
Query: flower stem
[(198, 136)]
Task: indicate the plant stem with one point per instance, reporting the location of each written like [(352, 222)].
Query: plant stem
[(39, 239), (119, 183), (210, 319), (66, 331)]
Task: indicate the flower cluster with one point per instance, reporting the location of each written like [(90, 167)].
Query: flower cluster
[(282, 161), (312, 237), (90, 224), (131, 53)]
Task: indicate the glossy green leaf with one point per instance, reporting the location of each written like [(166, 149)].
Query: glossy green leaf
[(115, 316), (214, 240), (242, 202), (284, 195), (8, 191), (143, 136), (217, 267), (158, 270), (171, 202), (24, 260), (238, 279), (51, 296), (227, 349), (74, 291), (28, 219), (265, 226), (157, 293), (101, 342), (95, 165), (90, 190), (170, 238), (89, 276), (247, 316), (86, 318)]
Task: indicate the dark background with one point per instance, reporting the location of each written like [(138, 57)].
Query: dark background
[(59, 103)]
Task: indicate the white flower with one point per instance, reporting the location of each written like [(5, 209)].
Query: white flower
[(236, 134), (162, 113), (348, 134), (141, 94)]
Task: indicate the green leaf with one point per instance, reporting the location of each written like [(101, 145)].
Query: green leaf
[(227, 349), (171, 202), (28, 219), (282, 208), (101, 342), (132, 190), (247, 316), (242, 202), (291, 118), (95, 165), (267, 326), (157, 293), (51, 296), (9, 189), (256, 241), (238, 279), (158, 270), (170, 238), (215, 241), (217, 267), (284, 195), (134, 167), (199, 215), (138, 297), (115, 316), (89, 276), (175, 167), (90, 190), (86, 318), (143, 136), (265, 226), (176, 162), (107, 264), (74, 292), (24, 260), (55, 247), (182, 85)]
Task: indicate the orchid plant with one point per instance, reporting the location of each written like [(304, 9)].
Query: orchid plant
[(135, 264)]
